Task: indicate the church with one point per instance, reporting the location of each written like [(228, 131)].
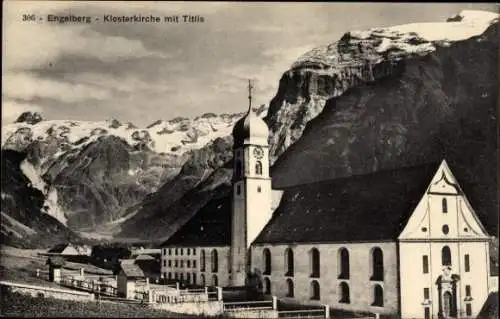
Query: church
[(402, 242)]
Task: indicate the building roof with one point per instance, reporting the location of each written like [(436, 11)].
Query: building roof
[(250, 128), (211, 226), (490, 308), (362, 208), (131, 269), (55, 261), (146, 251), (369, 207), (144, 257), (65, 249)]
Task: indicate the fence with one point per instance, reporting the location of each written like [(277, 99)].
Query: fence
[(254, 305), (306, 313)]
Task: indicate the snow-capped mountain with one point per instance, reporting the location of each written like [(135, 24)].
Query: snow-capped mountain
[(173, 137), (95, 172)]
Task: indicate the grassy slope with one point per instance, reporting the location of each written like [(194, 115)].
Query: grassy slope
[(14, 305)]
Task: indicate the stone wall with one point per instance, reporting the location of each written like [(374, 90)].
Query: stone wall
[(208, 308), (36, 291), (252, 313)]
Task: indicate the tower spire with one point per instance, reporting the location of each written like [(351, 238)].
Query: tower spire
[(250, 88)]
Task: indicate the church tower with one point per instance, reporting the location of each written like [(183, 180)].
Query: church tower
[(251, 197)]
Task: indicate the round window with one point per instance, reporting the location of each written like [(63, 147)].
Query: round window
[(446, 229)]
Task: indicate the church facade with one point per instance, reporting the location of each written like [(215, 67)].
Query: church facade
[(405, 242)]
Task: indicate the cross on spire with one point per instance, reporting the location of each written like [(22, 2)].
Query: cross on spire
[(250, 88)]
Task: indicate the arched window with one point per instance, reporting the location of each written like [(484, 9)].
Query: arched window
[(446, 256), (202, 280), (267, 286), (314, 290), (215, 261), (444, 205), (343, 258), (188, 278), (238, 169), (258, 168), (378, 296), (377, 264), (266, 257), (289, 284), (215, 281), (289, 262), (202, 260), (314, 262), (344, 293)]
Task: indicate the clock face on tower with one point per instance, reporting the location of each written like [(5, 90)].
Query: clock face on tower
[(258, 152)]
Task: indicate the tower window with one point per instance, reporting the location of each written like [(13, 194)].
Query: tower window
[(446, 256), (344, 263), (238, 169), (425, 264), (238, 189), (467, 291), (444, 205), (467, 262), (258, 168)]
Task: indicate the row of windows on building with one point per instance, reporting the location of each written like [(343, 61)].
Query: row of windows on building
[(191, 278), (239, 168), (179, 251), (214, 261), (377, 263), (343, 291), (445, 260), (180, 263)]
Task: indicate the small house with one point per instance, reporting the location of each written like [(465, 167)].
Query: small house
[(127, 277), (55, 264)]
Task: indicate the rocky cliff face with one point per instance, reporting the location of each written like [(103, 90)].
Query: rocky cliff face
[(420, 101), (25, 222)]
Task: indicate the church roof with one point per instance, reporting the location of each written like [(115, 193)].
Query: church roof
[(358, 208), (371, 207), (211, 226)]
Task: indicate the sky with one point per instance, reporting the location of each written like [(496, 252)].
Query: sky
[(142, 72)]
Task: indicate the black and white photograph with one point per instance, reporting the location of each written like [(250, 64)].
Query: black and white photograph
[(170, 159)]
